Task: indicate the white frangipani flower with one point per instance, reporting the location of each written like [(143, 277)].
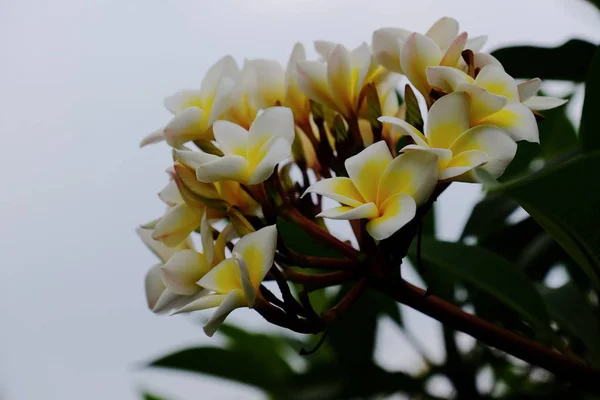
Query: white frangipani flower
[(458, 147), (196, 110), (235, 281), (380, 188), (250, 156), (514, 116)]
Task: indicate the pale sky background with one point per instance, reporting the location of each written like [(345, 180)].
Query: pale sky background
[(80, 83)]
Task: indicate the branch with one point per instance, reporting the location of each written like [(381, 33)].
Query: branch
[(491, 334)]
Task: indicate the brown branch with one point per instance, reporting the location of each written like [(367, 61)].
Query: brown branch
[(318, 281), (349, 299), (491, 334), (278, 317), (292, 258)]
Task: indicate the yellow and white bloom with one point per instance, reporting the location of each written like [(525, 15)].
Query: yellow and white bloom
[(235, 281), (196, 110), (459, 148), (410, 53), (337, 83), (514, 116), (250, 156), (380, 188)]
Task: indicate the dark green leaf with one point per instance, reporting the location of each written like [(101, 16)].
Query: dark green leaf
[(574, 314), (149, 396), (488, 272), (566, 62), (564, 200), (589, 130), (413, 111), (489, 215), (520, 165), (595, 2), (238, 365), (301, 242)]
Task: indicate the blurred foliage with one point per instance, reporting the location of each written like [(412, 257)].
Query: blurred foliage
[(498, 268)]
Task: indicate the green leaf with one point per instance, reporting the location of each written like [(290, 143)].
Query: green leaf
[(564, 200), (488, 272), (413, 111), (302, 242), (489, 215), (574, 314), (150, 396), (589, 130), (238, 365), (567, 62)]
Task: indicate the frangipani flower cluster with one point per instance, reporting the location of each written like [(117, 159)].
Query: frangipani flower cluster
[(261, 145)]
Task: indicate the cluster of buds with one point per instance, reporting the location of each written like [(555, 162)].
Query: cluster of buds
[(263, 144)]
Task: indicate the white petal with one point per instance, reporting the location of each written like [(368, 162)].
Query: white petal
[(463, 163), (170, 194), (360, 61), (414, 173), (403, 128), (298, 54), (396, 212), (194, 159), (163, 252), (447, 78), (273, 122), (482, 103), (276, 150), (454, 52), (340, 189), (386, 47), (187, 125), (540, 103), (495, 80), (476, 43), (181, 272), (448, 118), (208, 243), (269, 84), (517, 120), (176, 225), (247, 286), (365, 169), (312, 79), (444, 155), (368, 211), (221, 102), (339, 77), (529, 88), (155, 137), (231, 137), (233, 168), (202, 303), (258, 250), (154, 286), (226, 67), (480, 60), (169, 301), (233, 300), (323, 48), (443, 32), (183, 99), (498, 146), (418, 53), (223, 278)]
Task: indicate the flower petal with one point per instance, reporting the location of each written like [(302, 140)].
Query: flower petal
[(360, 62), (312, 79), (443, 155), (339, 78), (517, 120), (155, 137), (463, 163), (529, 88), (194, 159), (231, 137), (183, 99), (170, 194), (269, 83), (498, 146), (368, 211), (233, 168), (540, 103), (480, 60), (448, 118), (225, 67), (418, 53), (414, 173), (223, 278), (386, 47), (163, 252), (446, 78), (454, 52), (365, 169), (273, 152), (181, 272), (396, 211), (340, 189), (246, 280), (476, 43), (202, 303), (176, 225), (403, 128), (187, 125), (232, 300), (154, 286), (227, 234), (273, 122), (495, 80), (208, 243), (482, 103), (258, 251), (220, 103), (323, 48), (443, 32)]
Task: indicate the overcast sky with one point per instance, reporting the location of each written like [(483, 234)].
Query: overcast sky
[(80, 83)]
